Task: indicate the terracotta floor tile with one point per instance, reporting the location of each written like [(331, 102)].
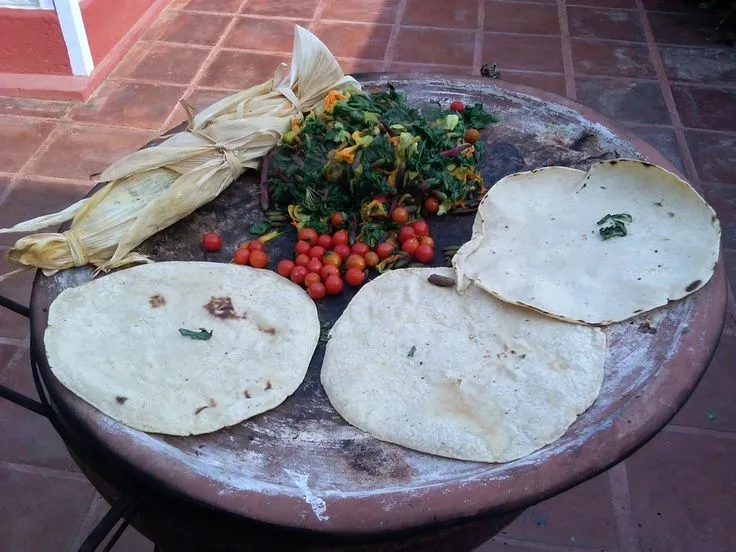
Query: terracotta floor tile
[(240, 70), (169, 63), (195, 28), (706, 108), (44, 513), (132, 59), (30, 198), (543, 53), (383, 11), (614, 59), (354, 40), (600, 23), (624, 100), (722, 197), (80, 151), (621, 4), (554, 83), (714, 155), (202, 98), (19, 140), (682, 28), (33, 107), (713, 404), (518, 17), (219, 6), (730, 256), (406, 68), (282, 8), (130, 541), (162, 22), (461, 14), (357, 66), (17, 288), (134, 104), (433, 46), (706, 65), (6, 356), (683, 6), (663, 139), (682, 489), (269, 35), (498, 544), (581, 516)]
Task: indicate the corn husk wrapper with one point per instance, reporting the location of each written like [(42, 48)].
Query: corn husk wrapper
[(155, 187)]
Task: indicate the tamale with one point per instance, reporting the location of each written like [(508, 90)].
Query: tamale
[(155, 187)]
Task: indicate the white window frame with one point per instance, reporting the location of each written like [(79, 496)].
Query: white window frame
[(75, 35)]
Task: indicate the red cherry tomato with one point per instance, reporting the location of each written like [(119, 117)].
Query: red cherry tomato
[(359, 248), (400, 215), (343, 250), (285, 267), (256, 245), (341, 237), (317, 291), (314, 265), (298, 274), (355, 277), (211, 242), (421, 228), (311, 278), (355, 261), (334, 285), (308, 235), (302, 248), (317, 251), (371, 259), (384, 250), (242, 256), (472, 136), (328, 270), (325, 241), (426, 240), (457, 106), (338, 219), (431, 205), (332, 258), (410, 245), (424, 254), (258, 259), (301, 260), (405, 233)]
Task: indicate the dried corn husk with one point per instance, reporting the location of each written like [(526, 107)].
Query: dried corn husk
[(155, 187)]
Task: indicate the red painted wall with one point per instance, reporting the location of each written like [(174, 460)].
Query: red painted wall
[(107, 21), (31, 42)]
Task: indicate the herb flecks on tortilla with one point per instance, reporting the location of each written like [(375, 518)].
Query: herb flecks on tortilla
[(616, 225), (202, 334)]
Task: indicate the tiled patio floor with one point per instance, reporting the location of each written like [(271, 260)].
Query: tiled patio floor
[(646, 63)]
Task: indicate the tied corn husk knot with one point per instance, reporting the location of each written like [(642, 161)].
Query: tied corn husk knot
[(155, 187)]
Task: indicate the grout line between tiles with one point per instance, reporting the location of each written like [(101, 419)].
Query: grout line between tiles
[(317, 15), (669, 99), (543, 547), (567, 62), (393, 38), (618, 482), (44, 472), (702, 432), (14, 358), (478, 48)]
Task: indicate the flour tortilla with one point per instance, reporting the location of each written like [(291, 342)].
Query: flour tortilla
[(115, 343), (462, 376), (538, 242)]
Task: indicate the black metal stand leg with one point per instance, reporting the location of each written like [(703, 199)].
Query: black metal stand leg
[(23, 401), (124, 506)]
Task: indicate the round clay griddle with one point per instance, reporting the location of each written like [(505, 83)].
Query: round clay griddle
[(302, 466)]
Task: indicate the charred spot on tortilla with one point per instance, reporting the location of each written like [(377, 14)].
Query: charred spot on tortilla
[(213, 403), (440, 280), (637, 311), (271, 331), (121, 399), (614, 162), (646, 164), (157, 301), (670, 214), (713, 218), (268, 385), (247, 394), (659, 204), (222, 308), (200, 409), (693, 286)]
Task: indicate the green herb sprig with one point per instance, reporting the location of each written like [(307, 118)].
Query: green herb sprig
[(616, 226)]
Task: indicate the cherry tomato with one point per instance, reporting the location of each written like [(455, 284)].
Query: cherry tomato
[(426, 240), (338, 219), (317, 291), (242, 256), (371, 259), (258, 259), (317, 251), (384, 250), (328, 270), (301, 260), (325, 241), (211, 242), (298, 274), (334, 285), (359, 248), (285, 267), (314, 265), (308, 235), (472, 136), (341, 237), (424, 254), (311, 278), (302, 248), (332, 258), (457, 106), (343, 250), (355, 261), (431, 205), (400, 215), (405, 233), (256, 245), (410, 245), (355, 277), (421, 228)]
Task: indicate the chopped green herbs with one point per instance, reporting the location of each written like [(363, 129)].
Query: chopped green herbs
[(202, 334), (324, 332), (412, 351), (616, 225), (259, 228)]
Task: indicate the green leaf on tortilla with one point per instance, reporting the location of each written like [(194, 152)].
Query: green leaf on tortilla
[(202, 334)]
